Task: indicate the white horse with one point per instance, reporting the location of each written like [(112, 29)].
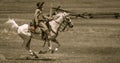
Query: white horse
[(26, 35)]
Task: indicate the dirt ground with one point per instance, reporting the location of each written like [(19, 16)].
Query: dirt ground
[(90, 41)]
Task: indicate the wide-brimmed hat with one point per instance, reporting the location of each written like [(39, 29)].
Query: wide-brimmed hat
[(40, 4)]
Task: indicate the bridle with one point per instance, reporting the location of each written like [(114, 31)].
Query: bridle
[(66, 22)]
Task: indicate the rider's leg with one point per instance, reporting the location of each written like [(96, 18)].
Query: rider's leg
[(44, 28), (33, 26)]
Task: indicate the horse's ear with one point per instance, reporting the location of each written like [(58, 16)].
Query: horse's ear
[(68, 14)]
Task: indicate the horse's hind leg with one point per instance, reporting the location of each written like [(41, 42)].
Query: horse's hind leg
[(44, 43), (26, 45), (43, 52), (45, 39)]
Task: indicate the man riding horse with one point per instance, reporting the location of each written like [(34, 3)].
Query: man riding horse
[(55, 24), (54, 21), (39, 21)]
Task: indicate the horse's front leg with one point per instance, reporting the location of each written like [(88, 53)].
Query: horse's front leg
[(58, 45), (43, 52), (50, 45)]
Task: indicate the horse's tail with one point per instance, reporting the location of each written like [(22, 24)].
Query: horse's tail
[(10, 25)]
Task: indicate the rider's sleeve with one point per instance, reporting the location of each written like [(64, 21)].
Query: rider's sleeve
[(36, 15), (47, 17)]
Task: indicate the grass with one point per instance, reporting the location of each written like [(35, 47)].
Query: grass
[(84, 43)]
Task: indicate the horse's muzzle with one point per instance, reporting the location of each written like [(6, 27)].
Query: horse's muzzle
[(70, 25)]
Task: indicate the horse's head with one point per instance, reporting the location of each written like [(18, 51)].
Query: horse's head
[(62, 18), (65, 14), (68, 21)]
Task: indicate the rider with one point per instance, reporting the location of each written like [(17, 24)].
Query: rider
[(39, 18)]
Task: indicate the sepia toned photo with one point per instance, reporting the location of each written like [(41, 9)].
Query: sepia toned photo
[(59, 31)]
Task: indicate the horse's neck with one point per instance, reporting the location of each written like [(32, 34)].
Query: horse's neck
[(55, 24), (60, 19)]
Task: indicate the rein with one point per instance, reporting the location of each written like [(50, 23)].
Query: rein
[(57, 22)]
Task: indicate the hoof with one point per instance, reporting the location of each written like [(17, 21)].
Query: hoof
[(52, 51), (36, 57), (42, 52), (27, 57)]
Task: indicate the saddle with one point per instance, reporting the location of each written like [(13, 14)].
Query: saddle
[(35, 30), (38, 30)]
